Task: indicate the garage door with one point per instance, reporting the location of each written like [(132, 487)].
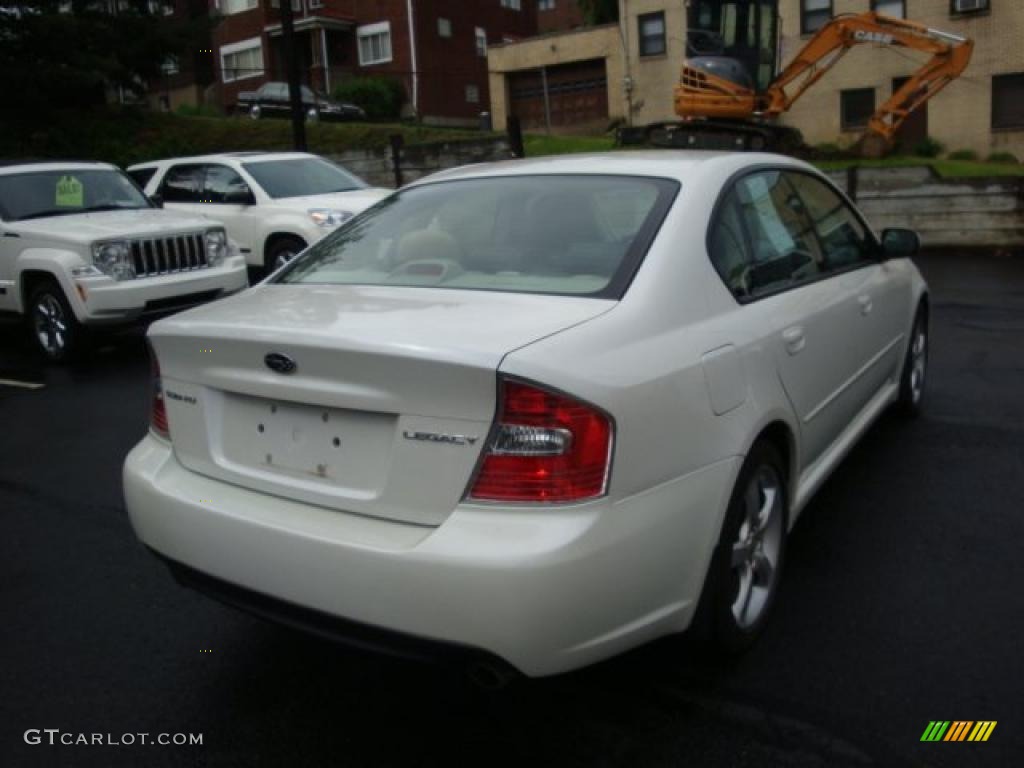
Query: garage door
[(578, 93)]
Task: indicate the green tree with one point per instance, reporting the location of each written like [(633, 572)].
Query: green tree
[(599, 11), (57, 55)]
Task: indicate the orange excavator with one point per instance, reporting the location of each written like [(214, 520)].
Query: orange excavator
[(732, 47)]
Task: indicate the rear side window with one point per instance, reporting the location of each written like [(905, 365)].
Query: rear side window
[(182, 184), (141, 176), (762, 240), (569, 235)]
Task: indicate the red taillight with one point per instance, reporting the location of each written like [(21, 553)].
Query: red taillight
[(158, 409), (546, 447)]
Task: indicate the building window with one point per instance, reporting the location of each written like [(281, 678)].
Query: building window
[(652, 33), (967, 6), (545, 5), (374, 43), (856, 108), (241, 60), (897, 9), (316, 3), (230, 7), (170, 65), (515, 5), (444, 27), (814, 14), (472, 94), (1008, 102), (296, 4), (481, 41)]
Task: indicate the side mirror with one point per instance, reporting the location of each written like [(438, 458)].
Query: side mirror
[(157, 200), (239, 196), (900, 243)]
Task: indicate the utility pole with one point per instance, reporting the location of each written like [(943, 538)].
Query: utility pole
[(291, 64)]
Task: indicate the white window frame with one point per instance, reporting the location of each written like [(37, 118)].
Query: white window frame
[(444, 27), (474, 91), (242, 45), (249, 6), (373, 30), (480, 34), (545, 5)]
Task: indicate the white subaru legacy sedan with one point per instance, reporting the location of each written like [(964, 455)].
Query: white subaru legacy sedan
[(533, 413)]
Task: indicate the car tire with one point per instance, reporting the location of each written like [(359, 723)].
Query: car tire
[(915, 368), (280, 251), (744, 575), (55, 330)]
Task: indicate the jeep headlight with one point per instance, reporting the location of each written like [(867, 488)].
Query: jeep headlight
[(328, 217), (216, 247), (114, 259)]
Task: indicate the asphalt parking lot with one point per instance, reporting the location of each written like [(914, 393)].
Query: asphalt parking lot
[(901, 604)]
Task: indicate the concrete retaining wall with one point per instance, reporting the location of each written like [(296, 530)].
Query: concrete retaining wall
[(986, 212), (418, 160)]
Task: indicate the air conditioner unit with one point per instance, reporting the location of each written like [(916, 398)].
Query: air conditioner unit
[(969, 6)]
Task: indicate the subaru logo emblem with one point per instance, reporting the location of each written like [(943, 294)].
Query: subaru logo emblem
[(279, 363)]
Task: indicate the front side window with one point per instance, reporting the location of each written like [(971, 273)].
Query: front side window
[(842, 235), (652, 33), (856, 108), (374, 43), (222, 184), (182, 184), (40, 194), (814, 14), (300, 176), (570, 235), (762, 240), (141, 176)]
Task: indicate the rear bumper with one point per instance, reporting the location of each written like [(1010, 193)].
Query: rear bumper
[(111, 301), (545, 590)]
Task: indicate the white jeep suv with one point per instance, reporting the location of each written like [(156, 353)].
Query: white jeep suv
[(273, 204), (81, 246)]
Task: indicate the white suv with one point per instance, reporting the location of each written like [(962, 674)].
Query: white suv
[(81, 246), (273, 204)]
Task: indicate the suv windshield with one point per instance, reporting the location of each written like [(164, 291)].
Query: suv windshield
[(299, 176), (38, 194), (573, 235)]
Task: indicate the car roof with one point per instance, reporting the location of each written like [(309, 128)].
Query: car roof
[(11, 167), (250, 156), (677, 164)]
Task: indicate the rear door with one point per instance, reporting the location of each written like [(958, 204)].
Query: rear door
[(765, 248)]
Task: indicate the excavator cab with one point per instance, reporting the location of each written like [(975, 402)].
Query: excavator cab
[(735, 39)]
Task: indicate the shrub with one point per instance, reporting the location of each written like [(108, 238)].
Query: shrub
[(197, 110), (381, 98), (1003, 157), (929, 147), (964, 154)]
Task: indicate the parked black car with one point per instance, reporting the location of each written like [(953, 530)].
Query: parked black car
[(272, 100)]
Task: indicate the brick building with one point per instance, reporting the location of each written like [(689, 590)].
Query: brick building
[(436, 48), (558, 15)]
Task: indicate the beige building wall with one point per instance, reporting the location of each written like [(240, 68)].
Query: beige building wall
[(550, 50), (654, 77), (960, 116)]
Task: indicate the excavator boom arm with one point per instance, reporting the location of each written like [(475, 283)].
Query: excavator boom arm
[(950, 56)]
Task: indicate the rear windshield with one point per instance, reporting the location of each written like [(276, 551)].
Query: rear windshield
[(41, 194), (300, 176), (573, 235)]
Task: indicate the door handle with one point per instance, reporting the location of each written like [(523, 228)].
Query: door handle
[(866, 305), (794, 339)]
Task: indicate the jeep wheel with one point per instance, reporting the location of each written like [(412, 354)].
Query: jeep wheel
[(54, 327)]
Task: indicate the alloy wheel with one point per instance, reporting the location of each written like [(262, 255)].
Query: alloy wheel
[(51, 325), (918, 363), (758, 547)]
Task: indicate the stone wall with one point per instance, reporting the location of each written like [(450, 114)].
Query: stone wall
[(984, 212), (419, 160)]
